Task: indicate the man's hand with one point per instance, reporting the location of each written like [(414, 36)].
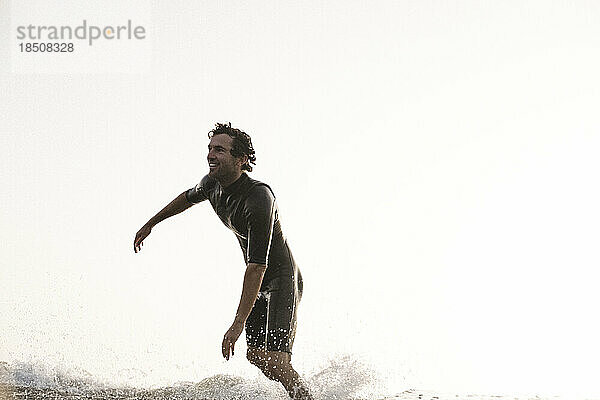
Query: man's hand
[(140, 236), (231, 336)]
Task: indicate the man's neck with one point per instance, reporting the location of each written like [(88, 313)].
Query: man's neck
[(230, 179)]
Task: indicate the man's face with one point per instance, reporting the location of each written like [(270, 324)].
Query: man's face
[(221, 163)]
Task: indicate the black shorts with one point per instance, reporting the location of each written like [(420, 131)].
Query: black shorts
[(271, 324)]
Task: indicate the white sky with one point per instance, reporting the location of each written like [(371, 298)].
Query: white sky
[(435, 164)]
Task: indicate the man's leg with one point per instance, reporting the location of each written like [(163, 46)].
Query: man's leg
[(277, 365)]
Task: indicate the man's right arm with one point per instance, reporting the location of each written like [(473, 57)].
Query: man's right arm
[(179, 204)]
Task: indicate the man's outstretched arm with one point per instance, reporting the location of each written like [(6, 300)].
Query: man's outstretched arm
[(179, 204), (252, 281)]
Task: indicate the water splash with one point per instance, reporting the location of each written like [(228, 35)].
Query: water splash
[(40, 376), (342, 378), (346, 377)]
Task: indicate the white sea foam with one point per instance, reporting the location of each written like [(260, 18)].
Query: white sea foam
[(342, 378), (40, 376)]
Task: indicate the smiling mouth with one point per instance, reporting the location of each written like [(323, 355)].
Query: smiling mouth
[(212, 165)]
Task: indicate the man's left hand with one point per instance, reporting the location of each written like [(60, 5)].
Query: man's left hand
[(231, 336)]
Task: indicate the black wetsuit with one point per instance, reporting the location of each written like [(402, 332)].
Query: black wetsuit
[(248, 208)]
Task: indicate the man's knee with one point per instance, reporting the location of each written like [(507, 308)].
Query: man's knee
[(256, 357), (273, 364)]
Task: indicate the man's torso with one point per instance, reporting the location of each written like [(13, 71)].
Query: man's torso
[(249, 209)]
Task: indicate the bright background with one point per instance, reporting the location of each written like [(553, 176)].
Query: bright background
[(435, 163)]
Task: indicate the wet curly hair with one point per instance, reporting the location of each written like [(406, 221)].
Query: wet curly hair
[(242, 144)]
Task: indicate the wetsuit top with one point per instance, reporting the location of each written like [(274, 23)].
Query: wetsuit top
[(248, 208)]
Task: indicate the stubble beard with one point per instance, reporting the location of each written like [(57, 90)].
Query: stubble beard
[(221, 174)]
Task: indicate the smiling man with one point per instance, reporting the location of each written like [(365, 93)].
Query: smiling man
[(272, 285)]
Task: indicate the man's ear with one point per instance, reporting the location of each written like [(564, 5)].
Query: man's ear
[(244, 159)]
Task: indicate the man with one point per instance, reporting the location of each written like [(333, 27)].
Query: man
[(272, 285)]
